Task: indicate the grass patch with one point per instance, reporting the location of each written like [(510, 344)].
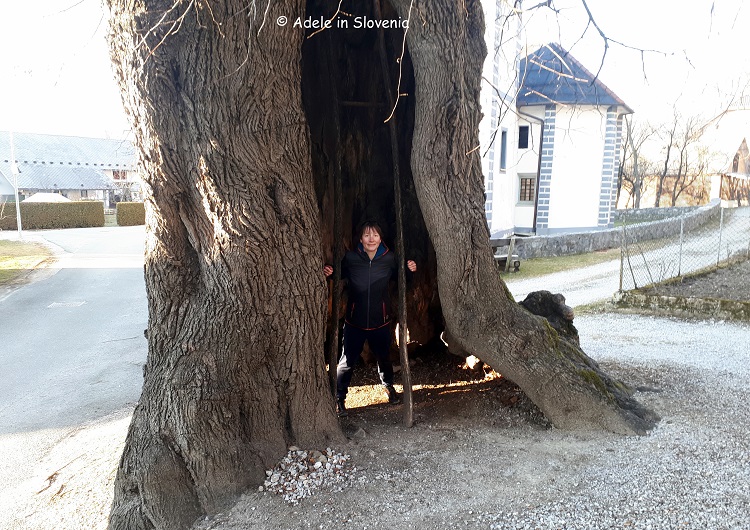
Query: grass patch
[(532, 268), (17, 257)]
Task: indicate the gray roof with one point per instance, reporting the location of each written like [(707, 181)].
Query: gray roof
[(551, 75), (101, 153), (48, 162), (47, 177)]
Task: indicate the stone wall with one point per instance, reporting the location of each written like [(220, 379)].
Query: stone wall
[(682, 306), (583, 242), (645, 215)]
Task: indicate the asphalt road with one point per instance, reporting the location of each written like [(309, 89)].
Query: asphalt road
[(72, 346)]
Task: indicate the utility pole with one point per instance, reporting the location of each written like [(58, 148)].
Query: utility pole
[(14, 169)]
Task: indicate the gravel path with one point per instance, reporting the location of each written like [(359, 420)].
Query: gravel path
[(585, 285)]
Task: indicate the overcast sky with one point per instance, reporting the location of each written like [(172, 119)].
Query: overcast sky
[(696, 44), (699, 60), (58, 79)]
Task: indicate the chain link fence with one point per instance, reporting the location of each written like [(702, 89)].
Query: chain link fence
[(649, 262)]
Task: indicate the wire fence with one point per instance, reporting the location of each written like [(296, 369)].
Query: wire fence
[(649, 262)]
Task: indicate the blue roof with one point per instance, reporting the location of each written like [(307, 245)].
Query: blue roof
[(551, 75)]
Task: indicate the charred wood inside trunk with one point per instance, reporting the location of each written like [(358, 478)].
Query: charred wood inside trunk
[(363, 147)]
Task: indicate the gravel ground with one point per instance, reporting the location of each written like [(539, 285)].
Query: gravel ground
[(478, 459)]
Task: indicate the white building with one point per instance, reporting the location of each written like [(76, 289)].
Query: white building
[(499, 126), (551, 137)]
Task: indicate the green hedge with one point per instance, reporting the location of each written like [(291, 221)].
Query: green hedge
[(40, 215), (131, 213)]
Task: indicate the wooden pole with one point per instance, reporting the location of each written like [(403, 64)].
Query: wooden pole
[(338, 250), (403, 351), (511, 248)]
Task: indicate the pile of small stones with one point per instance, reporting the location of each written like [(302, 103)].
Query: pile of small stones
[(300, 473)]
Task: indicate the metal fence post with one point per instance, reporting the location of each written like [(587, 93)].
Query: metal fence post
[(721, 228), (682, 238), (622, 252)]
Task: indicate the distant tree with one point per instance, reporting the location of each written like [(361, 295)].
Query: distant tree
[(667, 136), (634, 168), (691, 158), (708, 162)]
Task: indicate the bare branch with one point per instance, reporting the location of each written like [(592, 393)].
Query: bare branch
[(71, 7), (400, 62), (174, 28), (547, 4), (559, 74), (265, 15), (607, 40)]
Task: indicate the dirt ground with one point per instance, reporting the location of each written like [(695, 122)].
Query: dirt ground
[(402, 476), (726, 283)]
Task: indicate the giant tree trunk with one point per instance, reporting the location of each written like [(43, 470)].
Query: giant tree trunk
[(237, 302), (236, 295), (447, 49)]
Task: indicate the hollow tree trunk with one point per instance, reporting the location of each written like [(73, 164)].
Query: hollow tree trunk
[(236, 295), (447, 48)]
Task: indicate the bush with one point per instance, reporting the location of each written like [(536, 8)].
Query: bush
[(131, 213), (41, 215)]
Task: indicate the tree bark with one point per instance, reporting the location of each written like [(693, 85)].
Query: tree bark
[(447, 48), (236, 295)]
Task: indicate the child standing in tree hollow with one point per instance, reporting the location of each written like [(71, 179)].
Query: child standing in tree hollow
[(368, 272)]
